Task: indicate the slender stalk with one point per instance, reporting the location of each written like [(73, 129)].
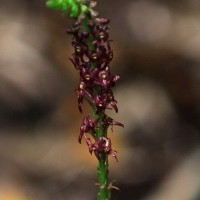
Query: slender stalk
[(103, 171)]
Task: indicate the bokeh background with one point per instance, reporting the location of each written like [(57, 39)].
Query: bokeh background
[(157, 55)]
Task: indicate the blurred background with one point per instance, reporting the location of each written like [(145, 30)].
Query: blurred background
[(156, 53)]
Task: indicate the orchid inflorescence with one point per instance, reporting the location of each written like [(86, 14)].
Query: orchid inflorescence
[(92, 56)]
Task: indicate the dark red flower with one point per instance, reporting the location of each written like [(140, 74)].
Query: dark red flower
[(102, 146), (88, 76), (106, 80), (112, 100), (87, 125), (101, 102), (102, 34), (108, 121), (82, 90)]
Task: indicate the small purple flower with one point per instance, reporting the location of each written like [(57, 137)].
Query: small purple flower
[(101, 102), (82, 90), (87, 126), (112, 100), (102, 34), (108, 121), (88, 76), (94, 56), (102, 146), (100, 56), (106, 80)]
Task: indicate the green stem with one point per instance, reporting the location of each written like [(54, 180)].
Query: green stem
[(104, 192)]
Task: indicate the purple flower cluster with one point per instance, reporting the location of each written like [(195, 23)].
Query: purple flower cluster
[(92, 56)]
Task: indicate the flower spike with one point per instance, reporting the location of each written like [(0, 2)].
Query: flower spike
[(91, 58)]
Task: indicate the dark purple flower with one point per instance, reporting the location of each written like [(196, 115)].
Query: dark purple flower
[(102, 146), (88, 76), (108, 121), (102, 34), (80, 45), (80, 51), (112, 100), (94, 56), (101, 102), (78, 61), (106, 80), (87, 126), (81, 92)]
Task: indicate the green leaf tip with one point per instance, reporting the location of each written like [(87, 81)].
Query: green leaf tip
[(74, 7)]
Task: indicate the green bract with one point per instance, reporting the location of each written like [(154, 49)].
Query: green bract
[(74, 7)]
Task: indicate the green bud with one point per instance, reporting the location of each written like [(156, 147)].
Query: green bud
[(74, 7)]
